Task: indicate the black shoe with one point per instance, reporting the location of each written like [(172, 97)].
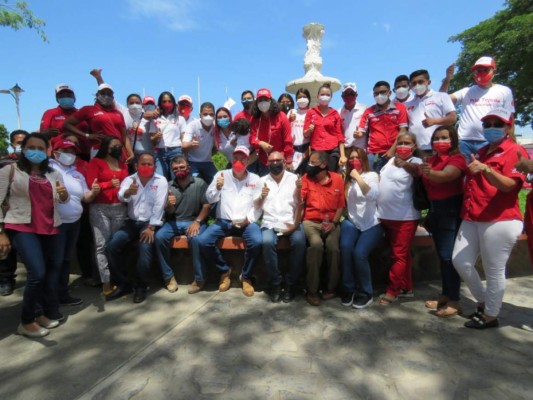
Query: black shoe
[(7, 287), (362, 302), (275, 294), (287, 295), (70, 301), (118, 293), (478, 313), (347, 299), (140, 295), (481, 323)]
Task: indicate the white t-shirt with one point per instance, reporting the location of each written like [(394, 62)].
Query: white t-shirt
[(362, 209), (279, 206), (226, 143), (435, 105), (172, 128), (477, 102), (350, 123), (395, 199), (76, 187), (297, 126), (206, 141)]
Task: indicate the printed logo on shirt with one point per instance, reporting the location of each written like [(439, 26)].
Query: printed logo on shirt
[(98, 113), (153, 187), (59, 117), (250, 185)]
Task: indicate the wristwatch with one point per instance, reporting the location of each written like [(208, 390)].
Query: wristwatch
[(198, 220), (87, 135), (488, 170)]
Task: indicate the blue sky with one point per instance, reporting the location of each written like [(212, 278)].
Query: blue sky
[(148, 46)]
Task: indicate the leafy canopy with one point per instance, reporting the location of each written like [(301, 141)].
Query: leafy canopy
[(18, 15)]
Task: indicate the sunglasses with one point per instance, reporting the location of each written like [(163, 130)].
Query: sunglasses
[(498, 124)]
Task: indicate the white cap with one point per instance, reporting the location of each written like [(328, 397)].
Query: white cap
[(349, 86), (242, 149), (185, 97), (105, 86), (63, 86), (484, 62)]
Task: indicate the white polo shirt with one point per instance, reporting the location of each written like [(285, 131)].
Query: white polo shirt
[(362, 209), (206, 140), (236, 198), (410, 97), (279, 206), (395, 198), (149, 202), (435, 105), (76, 187), (172, 128), (477, 102), (350, 123)]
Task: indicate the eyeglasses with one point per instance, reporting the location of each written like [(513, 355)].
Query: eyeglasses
[(279, 161), (381, 92), (498, 124)]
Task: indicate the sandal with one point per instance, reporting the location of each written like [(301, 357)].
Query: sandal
[(406, 293), (387, 301), (479, 322), (450, 309), (437, 303)]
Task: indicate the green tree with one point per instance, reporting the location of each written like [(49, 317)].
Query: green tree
[(18, 15), (4, 140), (508, 37)]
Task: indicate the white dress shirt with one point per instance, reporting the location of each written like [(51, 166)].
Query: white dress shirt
[(279, 206), (350, 123)]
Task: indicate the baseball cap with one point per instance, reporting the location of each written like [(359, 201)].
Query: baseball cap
[(242, 149), (484, 62), (63, 86), (148, 99), (349, 86), (185, 97), (501, 113), (105, 86), (65, 144), (264, 93)]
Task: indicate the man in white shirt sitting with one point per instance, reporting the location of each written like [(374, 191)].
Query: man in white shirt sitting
[(281, 204), (145, 192), (234, 190)]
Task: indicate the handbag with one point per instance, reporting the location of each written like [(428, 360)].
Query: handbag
[(420, 196), (5, 203)]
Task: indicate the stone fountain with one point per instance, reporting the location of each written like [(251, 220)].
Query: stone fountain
[(313, 78)]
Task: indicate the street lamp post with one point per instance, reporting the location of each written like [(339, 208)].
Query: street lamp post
[(15, 92)]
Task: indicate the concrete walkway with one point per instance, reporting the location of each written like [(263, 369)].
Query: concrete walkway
[(224, 346)]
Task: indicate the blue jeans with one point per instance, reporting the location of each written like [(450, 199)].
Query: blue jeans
[(444, 223), (162, 246), (211, 254), (42, 261), (68, 235), (130, 231), (377, 161), (355, 247), (467, 147), (164, 158), (205, 170), (296, 260)]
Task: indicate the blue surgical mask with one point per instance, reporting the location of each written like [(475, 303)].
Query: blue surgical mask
[(66, 102), (35, 156), (149, 107), (493, 135), (223, 122)]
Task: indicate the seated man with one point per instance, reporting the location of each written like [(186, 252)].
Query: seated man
[(234, 190), (323, 203), (187, 208), (146, 195), (280, 201)]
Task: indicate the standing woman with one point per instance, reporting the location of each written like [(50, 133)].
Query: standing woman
[(106, 213), (297, 119), (323, 125), (31, 225), (286, 103), (361, 231), (492, 220), (398, 216), (443, 176)]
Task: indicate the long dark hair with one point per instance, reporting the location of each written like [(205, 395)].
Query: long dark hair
[(454, 137), (160, 100), (104, 147), (24, 164), (273, 110)]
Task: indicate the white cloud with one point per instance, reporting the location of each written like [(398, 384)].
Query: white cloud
[(176, 15), (385, 25)]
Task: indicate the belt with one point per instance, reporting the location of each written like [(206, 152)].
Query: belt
[(301, 148)]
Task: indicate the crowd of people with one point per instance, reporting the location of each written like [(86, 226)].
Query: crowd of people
[(334, 183)]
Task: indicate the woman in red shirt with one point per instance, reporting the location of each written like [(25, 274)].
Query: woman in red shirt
[(443, 179), (323, 124), (107, 214)]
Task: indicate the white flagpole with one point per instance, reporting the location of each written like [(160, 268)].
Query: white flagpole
[(199, 100)]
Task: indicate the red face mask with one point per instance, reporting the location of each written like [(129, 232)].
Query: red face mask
[(404, 151), (145, 171), (483, 78), (185, 111), (442, 147), (349, 101), (180, 175), (167, 108), (356, 164), (238, 166)]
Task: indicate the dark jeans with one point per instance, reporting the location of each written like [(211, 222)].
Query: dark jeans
[(377, 161), (205, 170), (42, 261), (8, 267), (130, 231), (68, 235), (163, 160), (444, 222), (85, 250)]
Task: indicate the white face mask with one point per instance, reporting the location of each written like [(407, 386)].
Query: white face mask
[(135, 109), (420, 89), (66, 159), (381, 99), (207, 120), (402, 93), (17, 149), (302, 102), (263, 106), (324, 100)]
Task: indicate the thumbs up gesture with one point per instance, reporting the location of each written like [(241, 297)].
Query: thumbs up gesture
[(523, 165), (475, 166), (425, 168), (220, 182), (264, 191), (61, 191), (115, 182), (95, 187), (132, 190), (428, 121), (171, 198)]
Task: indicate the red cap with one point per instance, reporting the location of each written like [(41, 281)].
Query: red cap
[(502, 114), (186, 98), (484, 62), (148, 99), (65, 144), (263, 93), (242, 149)]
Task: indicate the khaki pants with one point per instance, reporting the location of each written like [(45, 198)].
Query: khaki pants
[(315, 252)]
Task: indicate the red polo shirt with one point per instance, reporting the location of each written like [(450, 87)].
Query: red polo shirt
[(109, 121), (243, 115), (322, 199), (328, 132), (482, 201), (383, 126), (439, 191), (276, 131), (55, 118)]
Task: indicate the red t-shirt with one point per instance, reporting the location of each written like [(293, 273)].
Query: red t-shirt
[(328, 132), (528, 223), (383, 126), (109, 121), (276, 131), (444, 190), (483, 202), (99, 169), (243, 115), (322, 200), (55, 118)]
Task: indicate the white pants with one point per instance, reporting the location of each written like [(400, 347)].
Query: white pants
[(494, 241)]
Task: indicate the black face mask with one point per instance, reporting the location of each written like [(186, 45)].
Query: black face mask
[(276, 169), (116, 152), (314, 170), (285, 108), (247, 104)]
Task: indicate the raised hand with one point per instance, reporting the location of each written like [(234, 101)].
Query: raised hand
[(61, 191), (95, 187), (475, 165), (220, 182), (115, 182), (171, 199), (264, 191)]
